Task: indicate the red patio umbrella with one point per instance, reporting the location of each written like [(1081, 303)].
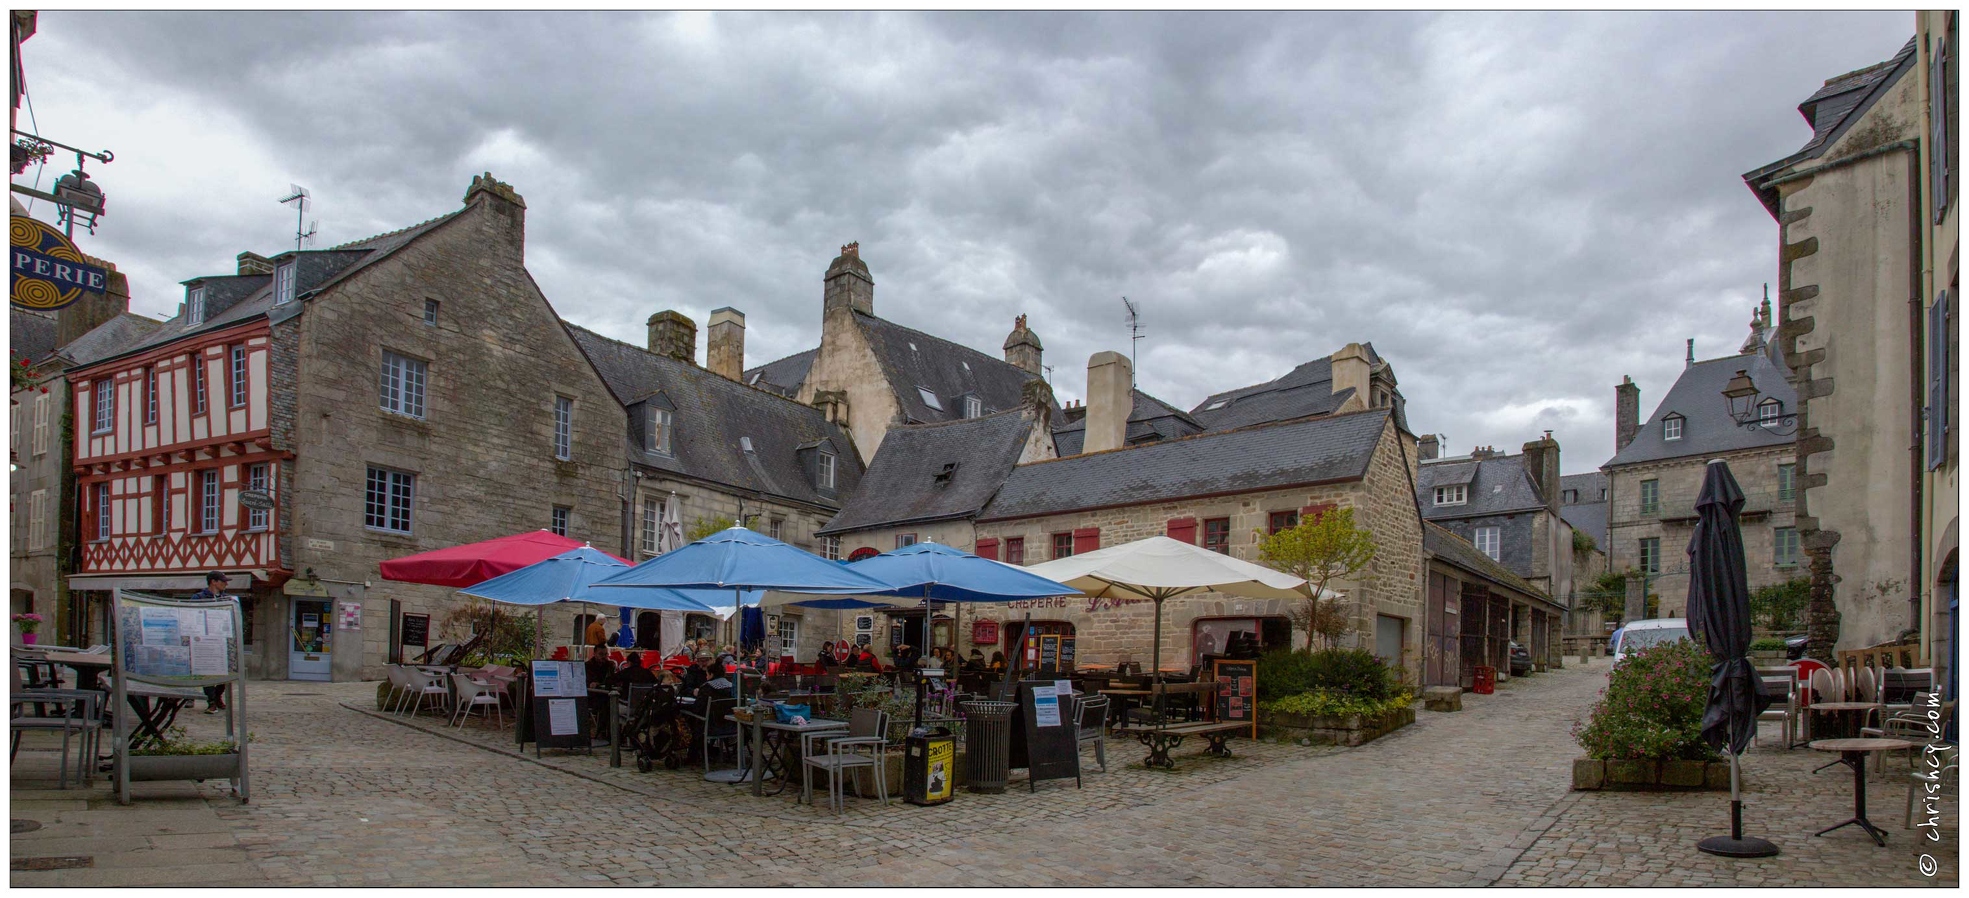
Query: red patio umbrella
[(475, 563)]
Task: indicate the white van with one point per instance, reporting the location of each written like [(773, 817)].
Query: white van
[(1643, 634)]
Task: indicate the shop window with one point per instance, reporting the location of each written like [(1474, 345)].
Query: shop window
[(1238, 637)]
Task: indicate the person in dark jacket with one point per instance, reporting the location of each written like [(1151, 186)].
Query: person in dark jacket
[(632, 674), (215, 590), (697, 674), (599, 667), (825, 660), (866, 661)]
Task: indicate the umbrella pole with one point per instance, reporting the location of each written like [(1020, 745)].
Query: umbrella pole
[(918, 724), (1155, 680), (1734, 844)]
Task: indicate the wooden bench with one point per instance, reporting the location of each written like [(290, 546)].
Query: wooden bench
[(1161, 740)]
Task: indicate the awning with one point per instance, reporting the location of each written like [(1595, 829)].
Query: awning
[(238, 580)]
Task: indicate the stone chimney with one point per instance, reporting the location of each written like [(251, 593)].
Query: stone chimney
[(1626, 412), (1351, 371), (1542, 463), (1110, 384), (1428, 446), (724, 344), (673, 334), (254, 263), (503, 202), (92, 309), (1483, 453), (1022, 348), (1689, 360), (849, 288)]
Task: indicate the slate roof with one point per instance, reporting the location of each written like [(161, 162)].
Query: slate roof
[(1590, 487), (1588, 513), (1831, 111), (1318, 450), (1303, 391), (712, 414), (1149, 420), (1497, 485), (30, 335), (231, 299), (1707, 428), (109, 338), (784, 376), (900, 486), (1457, 552)]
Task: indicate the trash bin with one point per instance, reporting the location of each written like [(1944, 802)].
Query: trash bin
[(1486, 680), (929, 762), (987, 745)]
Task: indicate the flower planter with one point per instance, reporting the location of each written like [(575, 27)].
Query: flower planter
[(148, 768), (27, 638), (1589, 775), (1764, 658), (1355, 729)]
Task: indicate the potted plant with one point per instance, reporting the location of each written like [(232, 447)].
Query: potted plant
[(28, 624), (179, 758), (1768, 652)]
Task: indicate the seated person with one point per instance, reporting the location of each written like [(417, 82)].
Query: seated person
[(975, 663), (825, 660), (865, 661), (907, 658), (697, 674), (599, 667), (997, 663), (632, 674)]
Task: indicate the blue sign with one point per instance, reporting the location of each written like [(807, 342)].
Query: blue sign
[(49, 272)]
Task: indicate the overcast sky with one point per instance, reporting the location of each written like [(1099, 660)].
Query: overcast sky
[(1516, 209)]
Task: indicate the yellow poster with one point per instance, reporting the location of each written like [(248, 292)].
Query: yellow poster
[(942, 755)]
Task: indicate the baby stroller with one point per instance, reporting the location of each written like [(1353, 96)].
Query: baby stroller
[(657, 732)]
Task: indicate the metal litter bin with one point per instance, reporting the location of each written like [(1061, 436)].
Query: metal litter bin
[(929, 766), (987, 745)]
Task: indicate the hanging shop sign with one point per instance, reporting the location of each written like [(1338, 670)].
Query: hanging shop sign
[(984, 632), (49, 272)]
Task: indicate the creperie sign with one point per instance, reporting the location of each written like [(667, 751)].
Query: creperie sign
[(66, 274)]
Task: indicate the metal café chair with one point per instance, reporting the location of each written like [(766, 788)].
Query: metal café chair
[(864, 747)]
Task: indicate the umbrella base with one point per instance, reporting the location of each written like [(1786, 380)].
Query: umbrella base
[(1724, 846)]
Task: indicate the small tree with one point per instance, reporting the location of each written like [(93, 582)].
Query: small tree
[(703, 527), (1321, 550)]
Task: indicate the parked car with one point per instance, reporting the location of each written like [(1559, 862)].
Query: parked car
[(1794, 647), (1643, 634), (1520, 660)]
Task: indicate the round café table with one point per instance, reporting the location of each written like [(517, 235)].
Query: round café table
[(1852, 753)]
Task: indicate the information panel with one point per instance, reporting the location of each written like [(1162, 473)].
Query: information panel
[(1043, 737), (1237, 691), (161, 649), (558, 695)]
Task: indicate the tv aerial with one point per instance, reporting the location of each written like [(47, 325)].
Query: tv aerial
[(1134, 336), (298, 195)]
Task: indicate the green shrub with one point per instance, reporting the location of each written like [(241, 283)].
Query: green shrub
[(1327, 703), (1652, 708), (1781, 606), (1353, 673), (1768, 644)]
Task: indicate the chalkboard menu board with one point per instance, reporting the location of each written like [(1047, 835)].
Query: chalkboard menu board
[(417, 630), (1237, 691), (1043, 738), (558, 695), (1049, 653), (1066, 654)]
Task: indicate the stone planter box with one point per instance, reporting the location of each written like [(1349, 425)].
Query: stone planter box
[(149, 768), (1352, 730), (1589, 775), (1768, 658)]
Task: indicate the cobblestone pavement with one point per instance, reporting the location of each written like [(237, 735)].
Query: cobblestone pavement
[(346, 796)]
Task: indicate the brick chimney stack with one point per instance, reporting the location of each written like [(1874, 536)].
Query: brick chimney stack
[(1626, 412), (673, 334), (1542, 463), (254, 263), (1110, 385), (724, 344)]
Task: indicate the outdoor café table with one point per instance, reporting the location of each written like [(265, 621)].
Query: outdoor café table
[(1848, 726), (88, 668), (770, 739), (1852, 753)]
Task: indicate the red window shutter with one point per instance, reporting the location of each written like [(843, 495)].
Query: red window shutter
[(1183, 530), (988, 548), (1086, 539), (1313, 512)]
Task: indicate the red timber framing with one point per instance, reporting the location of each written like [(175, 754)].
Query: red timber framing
[(147, 459)]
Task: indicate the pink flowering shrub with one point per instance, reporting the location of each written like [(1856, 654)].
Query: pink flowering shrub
[(1652, 708)]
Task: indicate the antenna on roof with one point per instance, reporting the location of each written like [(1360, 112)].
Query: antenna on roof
[(298, 195), (1134, 337)]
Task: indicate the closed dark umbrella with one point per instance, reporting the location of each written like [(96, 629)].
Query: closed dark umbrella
[(1719, 611)]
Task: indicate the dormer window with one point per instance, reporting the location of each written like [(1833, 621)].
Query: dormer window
[(195, 307), (1456, 494), (656, 429), (826, 477), (283, 283), (1671, 427), (1768, 412), (930, 399), (745, 444), (1216, 405), (973, 407), (942, 477)]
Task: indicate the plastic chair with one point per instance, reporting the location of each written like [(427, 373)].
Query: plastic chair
[(1863, 684), (425, 686), (865, 747), (470, 694), (400, 690), (1782, 687), (1090, 727)]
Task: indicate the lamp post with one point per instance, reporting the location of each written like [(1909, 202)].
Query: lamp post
[(1741, 393)]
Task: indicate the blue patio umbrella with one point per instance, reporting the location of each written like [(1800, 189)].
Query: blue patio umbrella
[(738, 560), (570, 577)]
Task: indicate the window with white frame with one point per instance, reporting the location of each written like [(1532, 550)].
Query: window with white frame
[(1486, 541), (929, 398), (386, 502), (42, 403), (652, 519), (830, 548), (150, 394), (789, 633), (105, 404), (431, 312), (1671, 427), (198, 382), (238, 374), (208, 502), (560, 520), (1786, 551), (773, 528), (18, 413), (257, 479), (563, 428), (1768, 412), (283, 283), (827, 470), (195, 307), (1787, 482), (403, 385), (972, 407), (37, 520), (905, 539), (656, 430), (1456, 494), (102, 512)]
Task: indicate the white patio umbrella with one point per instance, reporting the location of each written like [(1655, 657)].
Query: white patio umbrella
[(1159, 568)]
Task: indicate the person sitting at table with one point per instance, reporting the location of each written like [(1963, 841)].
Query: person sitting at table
[(997, 663), (632, 674), (825, 660), (597, 632), (865, 660), (697, 674), (599, 667), (975, 663)]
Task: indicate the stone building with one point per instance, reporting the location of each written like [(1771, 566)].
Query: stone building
[(701, 441), (398, 394), (1657, 470), (42, 486), (871, 374), (1507, 506), (1866, 252), (1583, 503), (1935, 34), (1474, 607)]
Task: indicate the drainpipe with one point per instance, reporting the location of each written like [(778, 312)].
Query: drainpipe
[(1916, 382)]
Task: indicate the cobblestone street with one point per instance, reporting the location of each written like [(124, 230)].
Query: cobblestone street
[(343, 796)]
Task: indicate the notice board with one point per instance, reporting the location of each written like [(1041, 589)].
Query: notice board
[(417, 630), (558, 694), (1237, 691), (1043, 737)]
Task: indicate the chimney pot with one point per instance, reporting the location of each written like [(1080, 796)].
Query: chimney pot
[(724, 344)]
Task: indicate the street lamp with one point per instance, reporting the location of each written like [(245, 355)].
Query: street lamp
[(1750, 414)]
